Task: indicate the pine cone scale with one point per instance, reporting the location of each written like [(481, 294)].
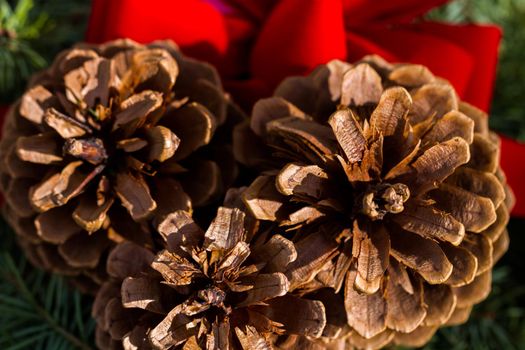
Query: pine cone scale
[(39, 149), (371, 249), (365, 312), (431, 223), (441, 303), (48, 229), (67, 127), (475, 212)]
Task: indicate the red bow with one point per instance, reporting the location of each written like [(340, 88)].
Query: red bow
[(256, 43)]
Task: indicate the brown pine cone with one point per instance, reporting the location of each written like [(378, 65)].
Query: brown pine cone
[(107, 139), (225, 288), (393, 186)]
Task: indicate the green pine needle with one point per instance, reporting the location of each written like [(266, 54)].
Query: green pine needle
[(39, 310), (18, 60)]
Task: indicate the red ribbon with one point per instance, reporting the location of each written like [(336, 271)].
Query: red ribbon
[(256, 43)]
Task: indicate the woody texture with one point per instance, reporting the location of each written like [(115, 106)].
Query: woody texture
[(223, 288), (391, 186), (106, 141)]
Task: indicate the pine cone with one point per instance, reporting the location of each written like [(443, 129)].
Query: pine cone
[(109, 138), (394, 186), (225, 288)]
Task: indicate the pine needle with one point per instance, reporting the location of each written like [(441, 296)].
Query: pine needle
[(18, 60), (39, 310)]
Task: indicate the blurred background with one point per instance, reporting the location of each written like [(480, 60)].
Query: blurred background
[(40, 311)]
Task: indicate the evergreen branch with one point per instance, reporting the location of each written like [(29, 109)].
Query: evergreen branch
[(22, 28), (38, 310), (20, 285), (18, 61)]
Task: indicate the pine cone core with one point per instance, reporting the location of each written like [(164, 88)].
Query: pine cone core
[(383, 198)]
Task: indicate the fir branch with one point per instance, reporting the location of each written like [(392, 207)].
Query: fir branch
[(38, 310), (18, 60), (14, 277), (30, 38)]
